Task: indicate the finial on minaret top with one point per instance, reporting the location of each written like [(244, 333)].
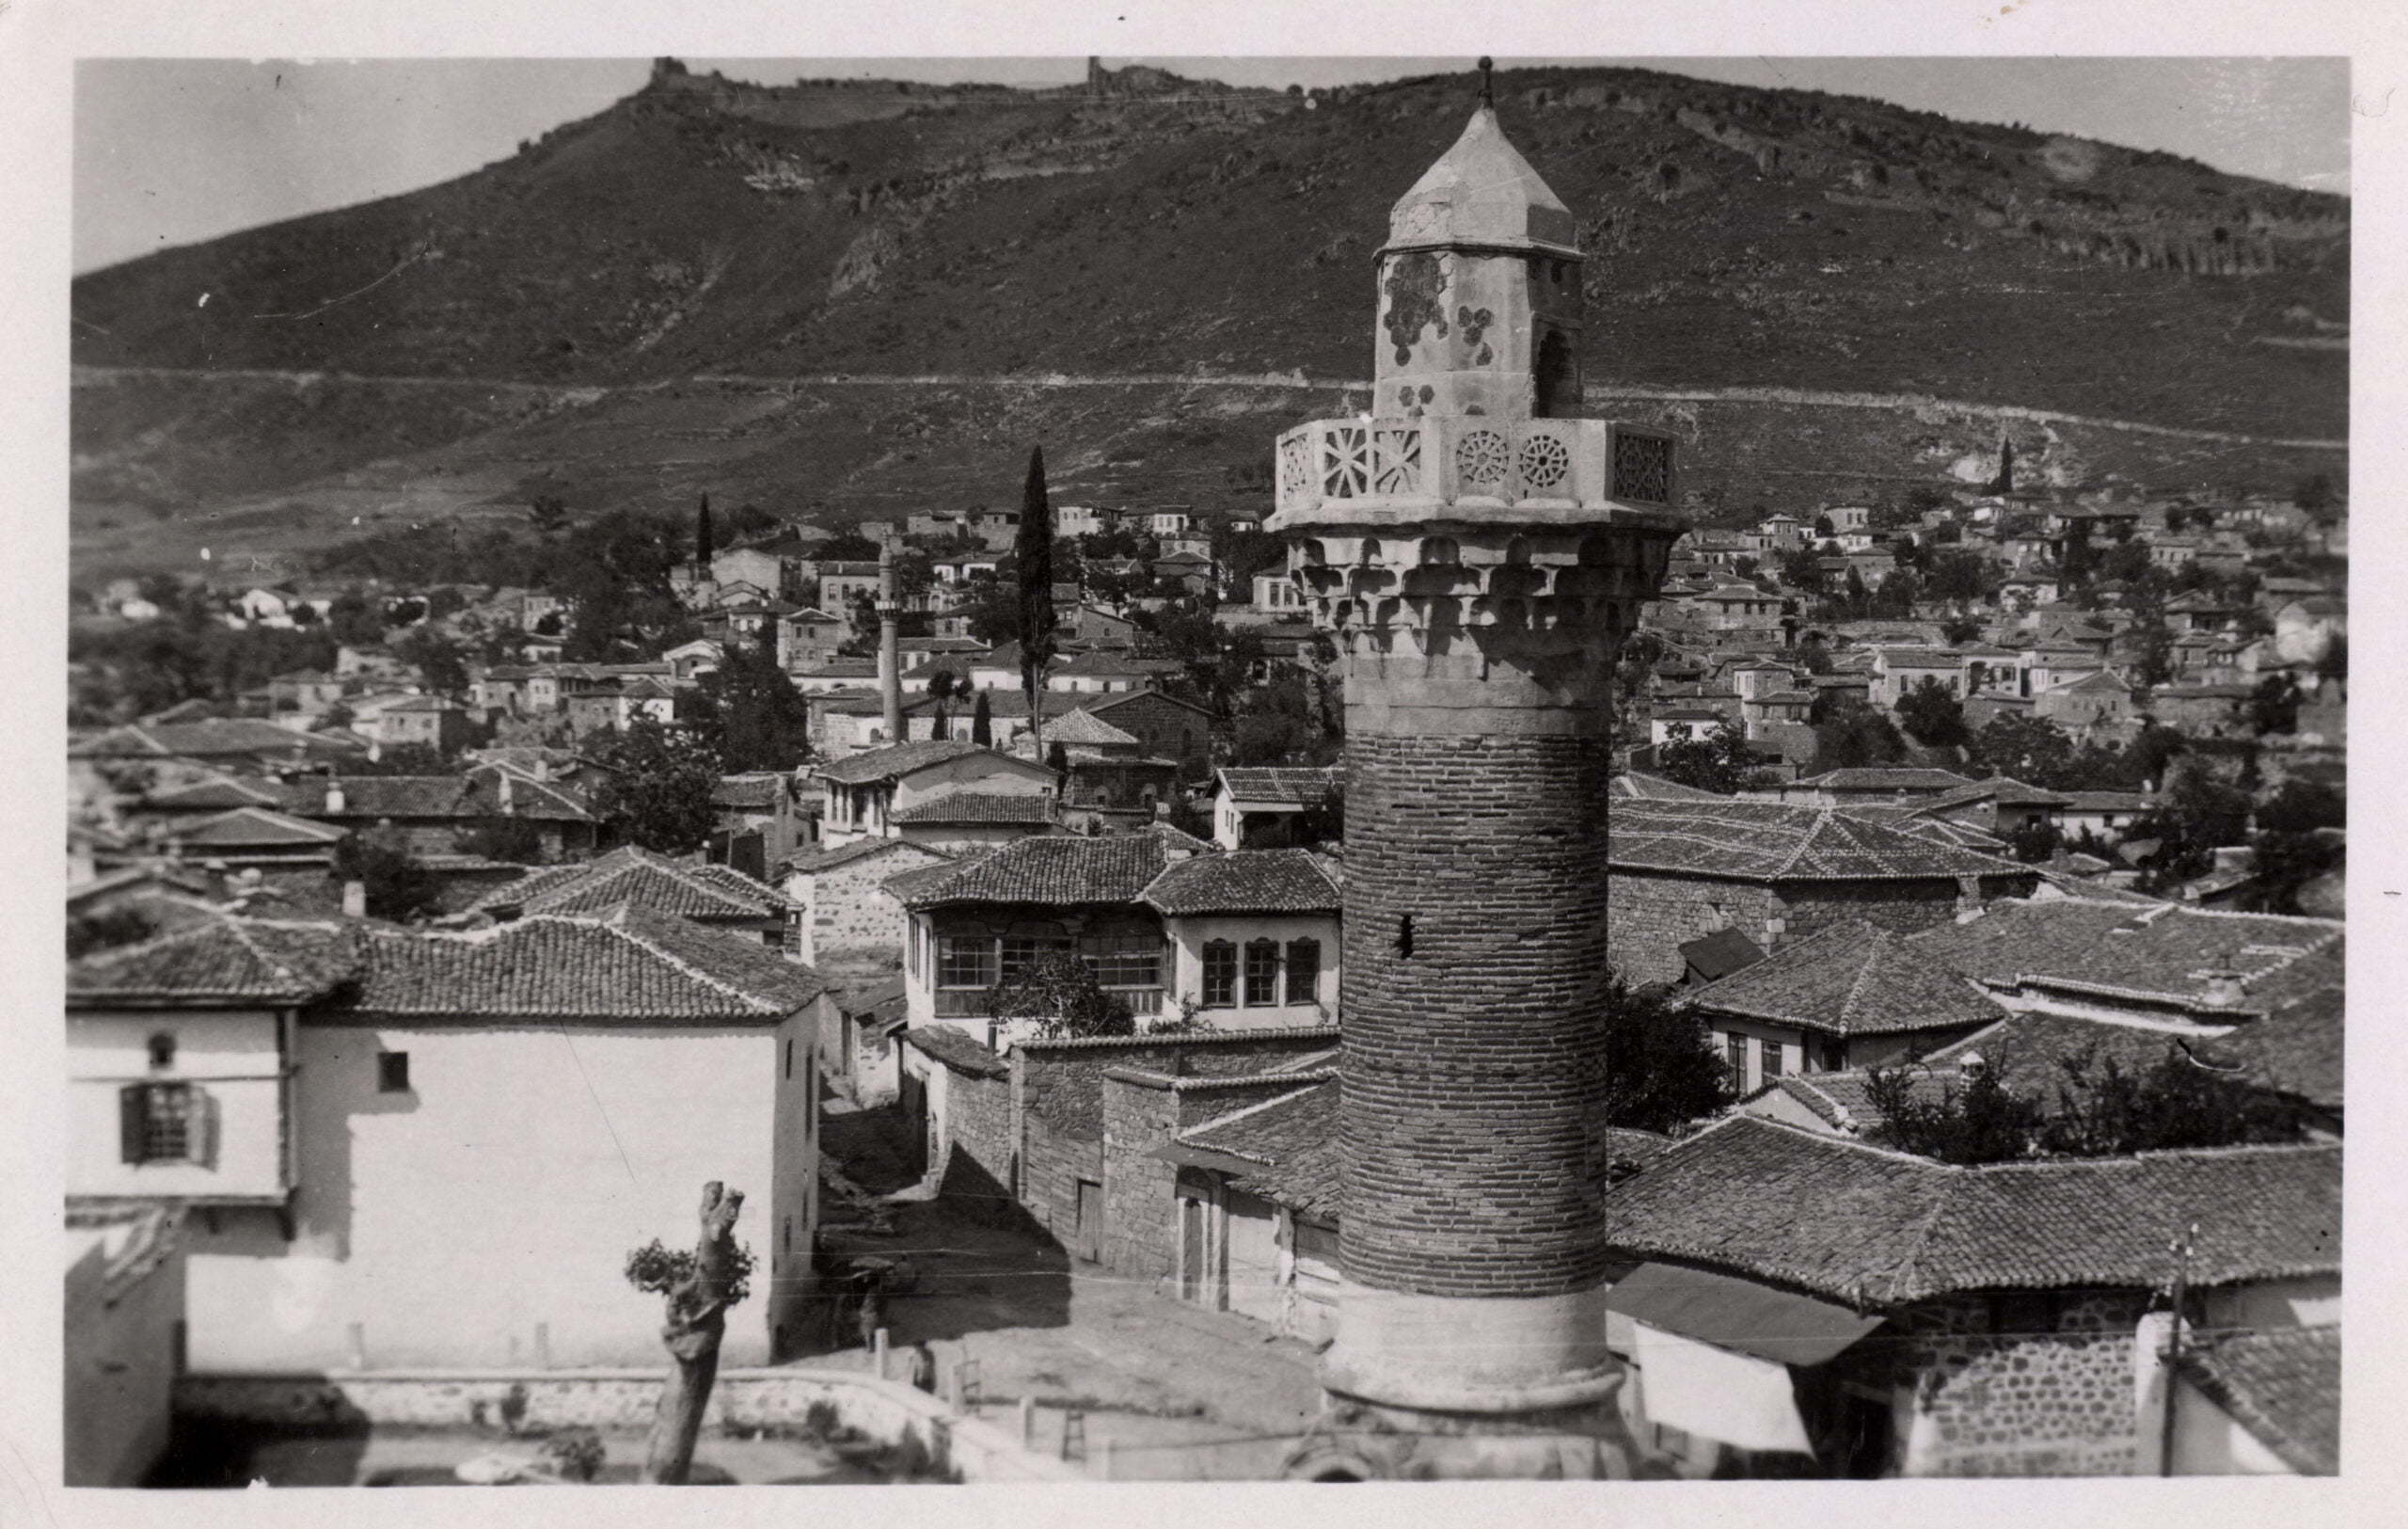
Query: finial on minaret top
[(1487, 84)]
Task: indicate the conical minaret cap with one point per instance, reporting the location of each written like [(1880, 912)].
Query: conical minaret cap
[(1483, 193)]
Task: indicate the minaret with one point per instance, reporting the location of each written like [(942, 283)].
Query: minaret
[(890, 665), (1478, 551)]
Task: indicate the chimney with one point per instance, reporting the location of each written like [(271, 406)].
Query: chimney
[(890, 674), (503, 775), (354, 900), (334, 795)]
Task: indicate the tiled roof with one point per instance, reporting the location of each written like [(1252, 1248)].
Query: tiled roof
[(2294, 1050), (1768, 842), (218, 959), (625, 963), (1633, 785), (475, 793), (1876, 1228), (1084, 726), (984, 807), (1881, 778), (1306, 787), (212, 738), (810, 863), (1116, 868), (253, 827), (2158, 951), (2004, 789), (759, 791), (633, 875), (1244, 881), (1851, 978), (1721, 953), (1293, 1137), (958, 1050), (896, 759), (2283, 1386)]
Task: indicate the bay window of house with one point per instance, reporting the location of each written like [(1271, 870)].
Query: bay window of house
[(1129, 963), (1304, 971), (1263, 974), (1220, 975), (966, 961)]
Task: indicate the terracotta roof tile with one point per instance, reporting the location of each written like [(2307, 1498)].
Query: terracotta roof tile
[(626, 964), (630, 875), (1306, 787), (1116, 868), (1878, 1228), (1851, 978), (1295, 1139), (978, 807), (1769, 842), (219, 958), (1244, 881), (2283, 1386), (896, 759)]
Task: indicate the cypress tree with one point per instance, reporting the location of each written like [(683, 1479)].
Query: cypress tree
[(702, 532), (1034, 550), (982, 723)]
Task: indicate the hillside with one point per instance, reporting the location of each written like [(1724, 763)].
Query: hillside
[(796, 242)]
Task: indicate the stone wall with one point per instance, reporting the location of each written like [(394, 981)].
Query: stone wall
[(1650, 917), (1142, 1110), (611, 1399), (982, 1157), (2027, 1386), (1058, 1100)]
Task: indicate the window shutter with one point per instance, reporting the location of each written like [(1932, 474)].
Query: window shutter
[(200, 1128), (131, 1111)]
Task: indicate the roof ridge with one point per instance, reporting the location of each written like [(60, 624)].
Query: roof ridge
[(615, 923)]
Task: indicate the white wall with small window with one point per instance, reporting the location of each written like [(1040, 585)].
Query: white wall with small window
[(1757, 1054), (1255, 971), (190, 1102)]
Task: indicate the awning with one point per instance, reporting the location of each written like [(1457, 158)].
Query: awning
[(1737, 1314), (1716, 1394)]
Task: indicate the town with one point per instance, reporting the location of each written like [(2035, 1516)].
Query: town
[(1462, 962)]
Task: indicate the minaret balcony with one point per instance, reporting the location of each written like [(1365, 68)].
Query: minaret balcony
[(1396, 472)]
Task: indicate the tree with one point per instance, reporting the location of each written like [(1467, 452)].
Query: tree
[(1932, 715), (515, 841), (396, 885), (2195, 816), (657, 787), (1719, 762), (1060, 992), (2313, 494), (1852, 736), (1661, 1073), (982, 723), (2334, 663), (1034, 556), (550, 513), (1980, 1121), (355, 620), (437, 658), (2035, 840), (1960, 630), (699, 1287), (749, 713), (2274, 706), (704, 542), (2176, 1105)]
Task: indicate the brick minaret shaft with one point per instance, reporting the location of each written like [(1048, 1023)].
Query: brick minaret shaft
[(1478, 552)]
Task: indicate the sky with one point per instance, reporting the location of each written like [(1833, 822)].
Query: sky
[(170, 152)]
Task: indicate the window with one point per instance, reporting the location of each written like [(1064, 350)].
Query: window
[(1735, 1051), (166, 1123), (789, 1058), (162, 1052), (1220, 975), (1304, 971), (1263, 974), (965, 961), (392, 1072), (1772, 1059), (1128, 960), (1020, 952)]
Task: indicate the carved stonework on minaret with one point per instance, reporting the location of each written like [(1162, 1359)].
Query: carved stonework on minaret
[(1478, 551)]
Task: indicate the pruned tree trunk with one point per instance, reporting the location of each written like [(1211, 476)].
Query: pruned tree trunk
[(697, 1321)]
